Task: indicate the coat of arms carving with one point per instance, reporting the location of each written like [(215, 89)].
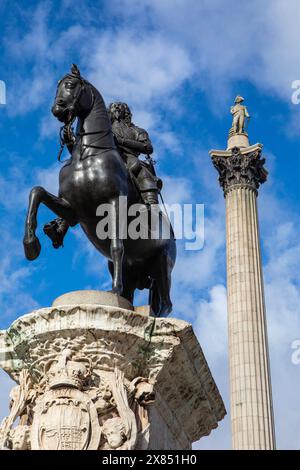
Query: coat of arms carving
[(78, 407)]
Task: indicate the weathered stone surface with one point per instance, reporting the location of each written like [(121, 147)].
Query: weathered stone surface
[(238, 140), (147, 379)]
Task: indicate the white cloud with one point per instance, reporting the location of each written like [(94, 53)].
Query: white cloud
[(177, 190), (48, 178), (15, 299), (16, 184), (211, 324), (119, 62), (196, 270), (94, 262), (140, 70), (163, 45), (228, 41), (42, 50), (49, 126), (211, 328)]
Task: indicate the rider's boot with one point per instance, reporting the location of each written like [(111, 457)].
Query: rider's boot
[(150, 197), (56, 231)]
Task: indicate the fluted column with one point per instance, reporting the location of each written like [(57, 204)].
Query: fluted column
[(241, 173)]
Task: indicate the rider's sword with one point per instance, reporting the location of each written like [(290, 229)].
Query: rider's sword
[(151, 163)]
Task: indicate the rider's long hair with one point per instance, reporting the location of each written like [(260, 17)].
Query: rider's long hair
[(126, 109)]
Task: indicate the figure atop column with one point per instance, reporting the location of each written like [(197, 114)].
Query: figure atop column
[(238, 137)]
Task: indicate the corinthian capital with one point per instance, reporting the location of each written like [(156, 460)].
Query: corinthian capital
[(240, 167)]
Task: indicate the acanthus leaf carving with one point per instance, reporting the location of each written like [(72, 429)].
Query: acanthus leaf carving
[(246, 169)]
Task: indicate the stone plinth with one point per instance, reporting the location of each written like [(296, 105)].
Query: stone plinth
[(92, 297), (238, 140), (241, 172), (93, 376)]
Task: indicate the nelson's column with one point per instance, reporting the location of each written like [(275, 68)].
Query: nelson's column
[(241, 172)]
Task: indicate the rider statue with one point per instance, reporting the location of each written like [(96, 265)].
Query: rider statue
[(131, 142)]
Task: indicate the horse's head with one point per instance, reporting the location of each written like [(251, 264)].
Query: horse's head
[(74, 96)]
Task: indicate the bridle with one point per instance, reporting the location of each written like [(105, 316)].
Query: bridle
[(66, 132)]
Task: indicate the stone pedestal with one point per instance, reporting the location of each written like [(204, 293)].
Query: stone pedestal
[(241, 173), (94, 376), (238, 140)]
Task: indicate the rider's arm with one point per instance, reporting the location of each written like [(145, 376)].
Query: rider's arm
[(132, 144), (145, 139), (141, 147)]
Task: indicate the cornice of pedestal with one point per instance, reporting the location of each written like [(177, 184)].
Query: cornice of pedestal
[(240, 167)]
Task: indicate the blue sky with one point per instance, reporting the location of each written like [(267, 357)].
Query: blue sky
[(179, 64)]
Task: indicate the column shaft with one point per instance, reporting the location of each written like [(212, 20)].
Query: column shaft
[(251, 396)]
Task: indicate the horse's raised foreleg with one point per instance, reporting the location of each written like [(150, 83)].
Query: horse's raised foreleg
[(59, 206), (117, 248)]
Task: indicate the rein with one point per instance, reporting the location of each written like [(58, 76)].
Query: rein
[(82, 134), (67, 129)]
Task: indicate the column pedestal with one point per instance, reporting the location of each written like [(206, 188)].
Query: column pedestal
[(94, 376)]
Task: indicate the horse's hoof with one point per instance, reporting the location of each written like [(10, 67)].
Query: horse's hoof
[(117, 290), (166, 309), (32, 247)]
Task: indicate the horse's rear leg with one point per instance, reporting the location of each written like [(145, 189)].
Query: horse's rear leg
[(128, 282), (117, 249), (59, 206)]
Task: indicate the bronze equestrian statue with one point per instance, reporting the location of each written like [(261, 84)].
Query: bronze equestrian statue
[(101, 170)]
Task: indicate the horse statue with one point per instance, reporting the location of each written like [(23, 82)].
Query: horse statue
[(96, 174)]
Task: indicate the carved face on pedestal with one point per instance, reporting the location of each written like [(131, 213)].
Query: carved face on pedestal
[(14, 394), (20, 438), (114, 431)]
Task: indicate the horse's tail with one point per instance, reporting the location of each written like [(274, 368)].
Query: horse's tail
[(160, 305), (154, 298)]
